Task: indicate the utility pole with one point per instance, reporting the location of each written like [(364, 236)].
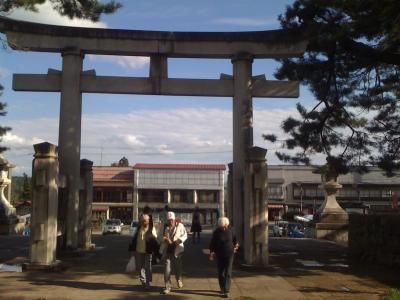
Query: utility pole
[(101, 156), (298, 184), (301, 198)]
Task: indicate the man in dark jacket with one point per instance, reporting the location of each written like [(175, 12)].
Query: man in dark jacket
[(142, 246), (196, 225), (223, 245)]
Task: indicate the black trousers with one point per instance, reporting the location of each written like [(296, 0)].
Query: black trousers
[(224, 265)]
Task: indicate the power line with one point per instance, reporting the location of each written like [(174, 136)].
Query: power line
[(101, 153), (155, 153)]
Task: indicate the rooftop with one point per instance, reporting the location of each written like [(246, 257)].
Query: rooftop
[(209, 167), (113, 173)]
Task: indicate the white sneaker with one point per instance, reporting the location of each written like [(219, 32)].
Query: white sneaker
[(180, 284), (166, 291)]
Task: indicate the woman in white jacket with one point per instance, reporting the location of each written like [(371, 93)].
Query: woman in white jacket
[(172, 249)]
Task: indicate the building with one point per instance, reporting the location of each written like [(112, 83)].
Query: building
[(298, 188), (123, 192), (112, 193)]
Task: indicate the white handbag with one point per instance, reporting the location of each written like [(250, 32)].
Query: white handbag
[(131, 266)]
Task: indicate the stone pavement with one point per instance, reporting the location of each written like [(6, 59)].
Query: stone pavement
[(100, 274), (321, 270)]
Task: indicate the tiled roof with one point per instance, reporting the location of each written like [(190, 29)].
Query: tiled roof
[(112, 174), (214, 167)]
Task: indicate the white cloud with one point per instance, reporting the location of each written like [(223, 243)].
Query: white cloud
[(127, 62), (47, 15), (246, 21), (13, 140), (163, 149), (184, 135), (132, 140)]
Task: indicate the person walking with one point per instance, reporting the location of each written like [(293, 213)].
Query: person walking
[(196, 225), (163, 219), (156, 257), (148, 211), (223, 246), (142, 246), (172, 249)]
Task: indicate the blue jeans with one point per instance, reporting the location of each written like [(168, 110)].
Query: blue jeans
[(224, 265), (175, 263), (143, 266)]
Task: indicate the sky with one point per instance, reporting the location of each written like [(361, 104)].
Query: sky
[(146, 129)]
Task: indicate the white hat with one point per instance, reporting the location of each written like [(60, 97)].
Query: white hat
[(171, 215)]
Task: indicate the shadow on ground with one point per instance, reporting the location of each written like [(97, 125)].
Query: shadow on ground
[(335, 276)]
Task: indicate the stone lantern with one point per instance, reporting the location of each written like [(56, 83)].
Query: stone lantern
[(331, 219), (7, 211)]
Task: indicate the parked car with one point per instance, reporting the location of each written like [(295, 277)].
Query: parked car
[(271, 229), (112, 226), (296, 230), (133, 228), (280, 228)]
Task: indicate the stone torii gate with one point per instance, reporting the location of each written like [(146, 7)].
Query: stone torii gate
[(73, 43)]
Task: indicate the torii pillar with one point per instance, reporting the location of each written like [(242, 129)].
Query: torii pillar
[(242, 134), (69, 140)]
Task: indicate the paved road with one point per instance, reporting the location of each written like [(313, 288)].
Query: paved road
[(100, 274), (321, 269)]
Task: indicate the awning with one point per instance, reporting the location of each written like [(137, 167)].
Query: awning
[(99, 208), (275, 205)]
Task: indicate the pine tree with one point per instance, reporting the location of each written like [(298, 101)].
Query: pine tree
[(352, 67), (123, 162), (26, 193), (3, 129), (81, 9)]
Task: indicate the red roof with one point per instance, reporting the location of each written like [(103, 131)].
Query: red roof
[(112, 174), (213, 167)]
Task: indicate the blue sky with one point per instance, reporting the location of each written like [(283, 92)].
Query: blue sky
[(146, 128)]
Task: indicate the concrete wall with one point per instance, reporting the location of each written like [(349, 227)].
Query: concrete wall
[(179, 179), (375, 238)]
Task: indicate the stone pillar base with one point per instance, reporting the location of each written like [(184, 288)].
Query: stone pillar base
[(336, 232), (90, 247), (333, 217), (56, 266)]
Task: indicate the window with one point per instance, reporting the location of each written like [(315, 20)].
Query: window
[(275, 191), (182, 196), (310, 192), (151, 195), (97, 195), (375, 193), (386, 193), (348, 192), (111, 194), (296, 191), (207, 196)]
